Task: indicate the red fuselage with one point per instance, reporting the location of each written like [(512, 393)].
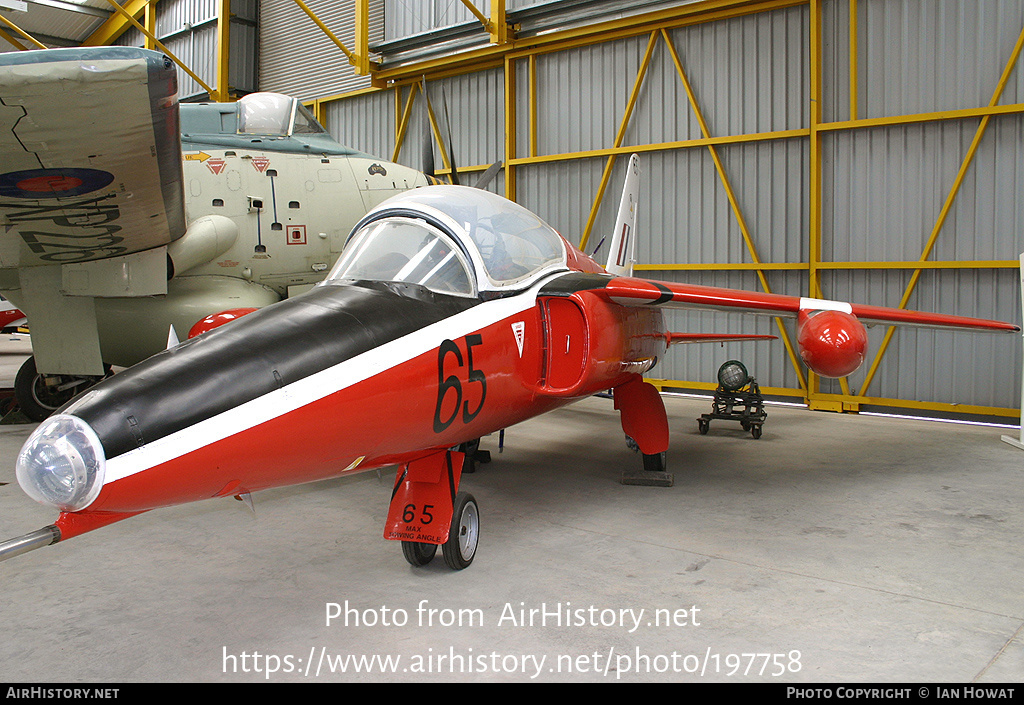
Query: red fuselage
[(463, 374)]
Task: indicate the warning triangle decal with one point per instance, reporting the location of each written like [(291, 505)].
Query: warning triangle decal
[(519, 331)]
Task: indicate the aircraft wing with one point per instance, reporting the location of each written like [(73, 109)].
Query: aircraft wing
[(90, 155), (634, 291), (631, 291)]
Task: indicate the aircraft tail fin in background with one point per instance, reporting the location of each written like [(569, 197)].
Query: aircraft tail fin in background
[(622, 249)]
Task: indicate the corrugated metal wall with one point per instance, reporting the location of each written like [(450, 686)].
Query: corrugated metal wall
[(297, 58), (885, 187), (405, 18), (882, 187), (408, 17), (749, 75), (188, 28)]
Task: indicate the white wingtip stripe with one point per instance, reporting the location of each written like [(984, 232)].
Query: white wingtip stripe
[(824, 305)]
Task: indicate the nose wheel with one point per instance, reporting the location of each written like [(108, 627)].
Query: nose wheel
[(463, 537), (418, 554), (460, 548)]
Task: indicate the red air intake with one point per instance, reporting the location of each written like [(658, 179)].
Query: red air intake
[(832, 343)]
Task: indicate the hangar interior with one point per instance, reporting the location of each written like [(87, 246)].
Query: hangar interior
[(856, 150)]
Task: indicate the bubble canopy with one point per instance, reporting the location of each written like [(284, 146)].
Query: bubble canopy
[(274, 115), (454, 240)]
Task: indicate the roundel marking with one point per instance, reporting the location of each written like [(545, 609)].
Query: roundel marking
[(52, 183)]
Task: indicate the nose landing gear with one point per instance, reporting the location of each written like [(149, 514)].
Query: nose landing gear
[(459, 549)]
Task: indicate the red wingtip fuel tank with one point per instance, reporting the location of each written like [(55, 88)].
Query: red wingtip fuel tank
[(832, 343)]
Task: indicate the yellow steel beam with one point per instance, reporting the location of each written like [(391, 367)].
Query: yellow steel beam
[(499, 30), (722, 267), (12, 41), (532, 67), (964, 409), (161, 47), (944, 212), (917, 264), (330, 35), (351, 94), (403, 123), (619, 136), (510, 128), (318, 109), (116, 25), (814, 288), (362, 37), (814, 179), (435, 126), (223, 50), (477, 14), (670, 384), (663, 146), (733, 201), (399, 132), (960, 114), (22, 32), (149, 21), (959, 409)]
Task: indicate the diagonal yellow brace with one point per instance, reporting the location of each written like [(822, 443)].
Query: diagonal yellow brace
[(478, 15), (352, 58), (403, 124), (733, 202), (436, 129), (944, 212), (22, 32), (135, 23), (115, 26), (606, 176), (12, 41)]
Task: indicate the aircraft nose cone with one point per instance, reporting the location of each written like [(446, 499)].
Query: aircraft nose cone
[(62, 464)]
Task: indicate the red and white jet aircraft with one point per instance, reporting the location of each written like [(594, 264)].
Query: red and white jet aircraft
[(451, 314)]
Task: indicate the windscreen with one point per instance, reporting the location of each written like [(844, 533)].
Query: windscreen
[(515, 245), (405, 250)]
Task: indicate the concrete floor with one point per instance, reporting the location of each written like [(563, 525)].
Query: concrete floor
[(837, 548)]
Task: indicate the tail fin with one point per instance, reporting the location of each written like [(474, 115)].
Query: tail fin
[(622, 250)]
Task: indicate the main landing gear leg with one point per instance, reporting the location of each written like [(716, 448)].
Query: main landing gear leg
[(645, 423), (473, 455)]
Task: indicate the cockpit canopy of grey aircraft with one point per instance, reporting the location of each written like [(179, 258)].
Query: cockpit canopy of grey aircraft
[(274, 114), (453, 240), (261, 121)]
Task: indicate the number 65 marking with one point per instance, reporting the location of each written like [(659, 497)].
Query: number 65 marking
[(452, 383)]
